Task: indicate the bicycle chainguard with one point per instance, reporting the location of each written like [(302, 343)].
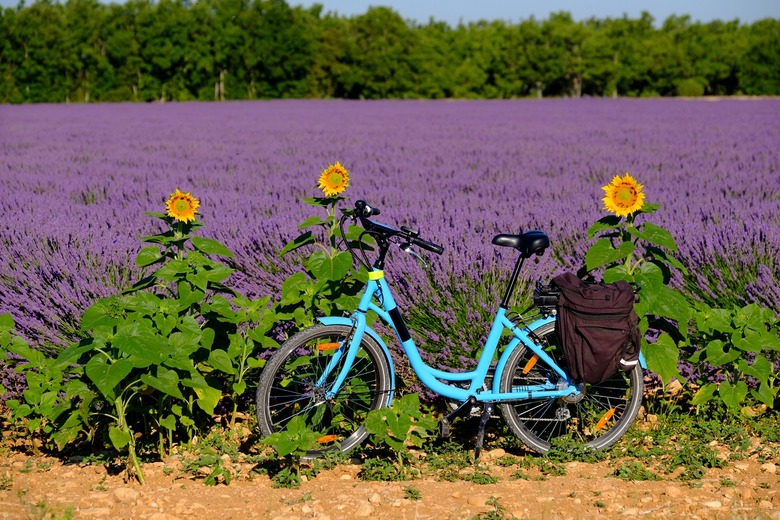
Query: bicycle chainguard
[(445, 423)]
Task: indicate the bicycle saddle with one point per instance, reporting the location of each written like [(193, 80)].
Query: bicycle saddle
[(528, 243)]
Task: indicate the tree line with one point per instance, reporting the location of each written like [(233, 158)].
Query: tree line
[(141, 50)]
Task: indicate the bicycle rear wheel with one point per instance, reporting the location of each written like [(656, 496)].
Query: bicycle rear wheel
[(597, 417), (294, 383)]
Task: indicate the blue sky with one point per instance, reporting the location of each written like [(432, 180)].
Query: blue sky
[(454, 11)]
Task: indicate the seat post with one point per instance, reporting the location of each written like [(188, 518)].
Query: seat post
[(512, 282)]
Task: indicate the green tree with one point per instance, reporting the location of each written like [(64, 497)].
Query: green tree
[(759, 67)]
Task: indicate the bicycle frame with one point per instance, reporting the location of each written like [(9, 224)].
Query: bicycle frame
[(378, 298)]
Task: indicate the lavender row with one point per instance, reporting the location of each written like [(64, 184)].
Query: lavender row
[(76, 180)]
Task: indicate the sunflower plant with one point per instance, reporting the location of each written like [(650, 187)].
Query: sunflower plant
[(328, 283), (161, 356), (630, 247)]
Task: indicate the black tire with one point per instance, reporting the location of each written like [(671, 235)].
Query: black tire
[(288, 387), (595, 418)]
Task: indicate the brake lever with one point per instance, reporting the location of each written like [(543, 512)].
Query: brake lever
[(406, 247)]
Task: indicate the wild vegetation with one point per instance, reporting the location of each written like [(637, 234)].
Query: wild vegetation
[(177, 50)]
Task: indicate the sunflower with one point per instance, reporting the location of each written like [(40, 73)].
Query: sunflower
[(624, 195), (334, 180), (182, 206)]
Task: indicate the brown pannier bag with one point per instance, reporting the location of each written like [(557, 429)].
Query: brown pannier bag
[(597, 327)]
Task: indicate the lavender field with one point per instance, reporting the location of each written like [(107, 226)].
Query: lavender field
[(77, 179)]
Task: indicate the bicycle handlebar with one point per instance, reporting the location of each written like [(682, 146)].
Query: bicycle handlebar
[(363, 210)]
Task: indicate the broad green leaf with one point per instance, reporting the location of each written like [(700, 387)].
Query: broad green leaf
[(761, 368), (148, 256), (656, 235), (208, 396), (168, 422), (210, 246), (716, 355), (310, 222), (671, 304), (602, 253), (119, 438), (173, 270), (302, 240), (184, 342), (733, 395), (327, 268), (608, 222), (166, 381), (220, 360), (218, 273), (106, 312), (704, 394), (108, 376), (139, 342), (239, 387), (662, 357), (765, 393)]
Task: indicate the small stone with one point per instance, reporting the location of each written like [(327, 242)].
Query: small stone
[(126, 494), (712, 504), (478, 500), (495, 454), (363, 510), (456, 494), (765, 504), (630, 511), (769, 467), (673, 491), (747, 494), (306, 509), (741, 466), (375, 498), (346, 476)]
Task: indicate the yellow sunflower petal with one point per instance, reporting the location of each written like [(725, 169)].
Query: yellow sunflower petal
[(624, 195), (182, 206), (334, 180)]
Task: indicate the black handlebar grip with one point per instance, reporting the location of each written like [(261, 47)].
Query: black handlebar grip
[(430, 246), (364, 210)]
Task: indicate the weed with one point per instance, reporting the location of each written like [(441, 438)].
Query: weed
[(6, 483), (380, 470), (286, 478), (633, 470), (599, 504), (506, 461), (412, 493), (100, 486), (479, 477), (499, 511), (727, 482)]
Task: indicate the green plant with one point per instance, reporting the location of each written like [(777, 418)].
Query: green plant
[(742, 344), (412, 493), (293, 443), (383, 470), (633, 470), (160, 356), (329, 284), (403, 425), (499, 511), (690, 87), (479, 477)]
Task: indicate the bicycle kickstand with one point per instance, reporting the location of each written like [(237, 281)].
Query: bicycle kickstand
[(445, 423), (486, 412)]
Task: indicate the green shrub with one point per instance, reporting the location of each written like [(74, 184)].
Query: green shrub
[(690, 87)]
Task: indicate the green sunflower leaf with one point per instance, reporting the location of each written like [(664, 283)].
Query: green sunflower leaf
[(210, 246)]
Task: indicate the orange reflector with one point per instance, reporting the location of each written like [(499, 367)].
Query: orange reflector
[(325, 439), (603, 421), (328, 346), (531, 363)]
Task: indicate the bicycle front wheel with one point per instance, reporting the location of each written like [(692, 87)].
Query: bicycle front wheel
[(298, 377), (596, 417)]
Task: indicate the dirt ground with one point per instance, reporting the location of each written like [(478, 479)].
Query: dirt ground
[(41, 487)]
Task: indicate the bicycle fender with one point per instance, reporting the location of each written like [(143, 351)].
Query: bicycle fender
[(339, 320)]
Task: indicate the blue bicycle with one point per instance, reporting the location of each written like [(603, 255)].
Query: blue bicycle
[(337, 371)]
